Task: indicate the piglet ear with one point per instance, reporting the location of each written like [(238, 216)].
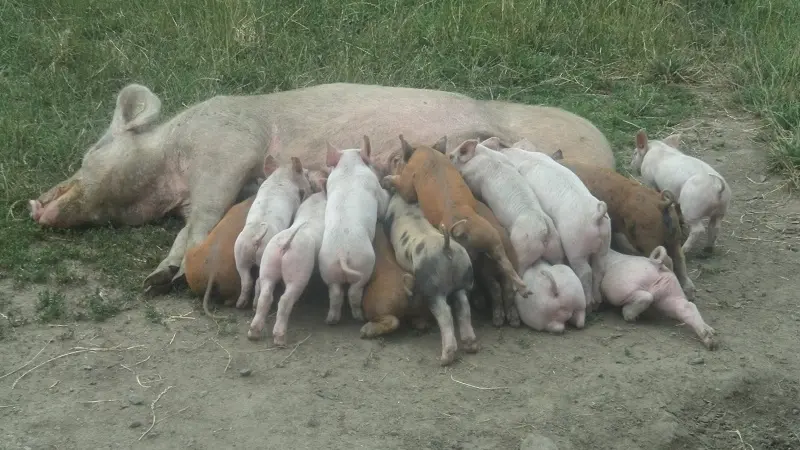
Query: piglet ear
[(441, 145), (558, 154), (297, 166), (641, 141), (136, 108), (492, 143), (467, 149), (270, 165), (366, 150), (553, 284), (407, 149), (332, 156), (673, 140)]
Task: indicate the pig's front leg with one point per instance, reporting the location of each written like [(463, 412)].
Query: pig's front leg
[(160, 280), (403, 184)]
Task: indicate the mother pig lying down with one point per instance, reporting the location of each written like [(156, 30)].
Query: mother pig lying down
[(196, 163)]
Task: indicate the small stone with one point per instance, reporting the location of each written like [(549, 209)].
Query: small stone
[(245, 372), (203, 394), (762, 178), (135, 424), (696, 361), (87, 367), (796, 411), (708, 289), (312, 422), (136, 400), (92, 383)]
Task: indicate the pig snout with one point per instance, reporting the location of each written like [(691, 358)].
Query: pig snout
[(36, 209)]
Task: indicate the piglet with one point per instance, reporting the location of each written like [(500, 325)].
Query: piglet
[(700, 190), (557, 298), (636, 282), (290, 256), (491, 176), (277, 199), (581, 219), (441, 268), (356, 201)]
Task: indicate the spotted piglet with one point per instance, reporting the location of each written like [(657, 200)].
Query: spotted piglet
[(637, 282), (441, 268), (557, 298), (356, 201)]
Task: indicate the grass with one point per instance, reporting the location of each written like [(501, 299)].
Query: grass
[(623, 65)]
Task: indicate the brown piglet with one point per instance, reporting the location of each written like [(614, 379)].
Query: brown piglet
[(428, 177), (641, 217), (388, 294), (213, 260)]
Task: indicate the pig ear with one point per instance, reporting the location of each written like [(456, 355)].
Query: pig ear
[(553, 284), (297, 166), (441, 145), (407, 149), (408, 284), (467, 148), (558, 154), (641, 141), (366, 150), (673, 140), (332, 157), (270, 165), (492, 143), (137, 107)]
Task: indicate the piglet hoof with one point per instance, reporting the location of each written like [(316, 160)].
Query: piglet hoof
[(420, 323), (386, 182), (708, 250), (279, 340), (498, 318), (254, 334), (242, 303), (690, 292), (707, 336), (358, 314), (471, 345), (513, 321), (332, 319), (448, 356), (160, 281)]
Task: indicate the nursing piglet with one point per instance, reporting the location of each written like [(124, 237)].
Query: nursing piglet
[(580, 218), (355, 203), (557, 298), (277, 199), (441, 267), (290, 256), (491, 176), (637, 282), (700, 190)]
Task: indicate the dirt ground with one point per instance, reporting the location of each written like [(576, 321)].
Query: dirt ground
[(613, 385)]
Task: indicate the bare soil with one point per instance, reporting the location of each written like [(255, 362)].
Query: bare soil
[(613, 385)]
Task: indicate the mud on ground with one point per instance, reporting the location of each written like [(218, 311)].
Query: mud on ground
[(613, 385)]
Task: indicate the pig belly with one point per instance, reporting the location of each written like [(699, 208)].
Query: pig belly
[(622, 280)]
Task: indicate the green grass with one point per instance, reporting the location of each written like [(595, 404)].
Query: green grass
[(624, 65), (50, 306)]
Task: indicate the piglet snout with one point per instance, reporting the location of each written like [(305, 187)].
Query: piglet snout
[(36, 209)]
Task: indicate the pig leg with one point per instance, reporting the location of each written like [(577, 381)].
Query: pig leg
[(245, 254), (555, 327), (679, 309), (498, 254), (380, 325), (468, 338), (713, 232), (160, 280), (679, 267), (578, 318), (696, 228), (287, 301), (296, 270), (509, 302), (583, 270), (487, 275), (624, 245), (598, 263), (336, 298), (355, 293), (263, 303), (403, 184), (637, 303), (444, 318)]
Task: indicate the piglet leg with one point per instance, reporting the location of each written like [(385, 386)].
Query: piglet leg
[(713, 232), (468, 338), (336, 299), (696, 228), (637, 303), (680, 309), (679, 267), (355, 293), (486, 273), (285, 304), (444, 317), (380, 325), (263, 303)]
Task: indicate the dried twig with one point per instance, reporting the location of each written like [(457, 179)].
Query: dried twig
[(280, 364), (29, 361), (477, 387), (97, 401), (75, 352), (153, 411), (173, 338), (744, 444), (226, 351)]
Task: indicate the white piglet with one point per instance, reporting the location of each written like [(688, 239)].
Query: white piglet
[(580, 218), (701, 191), (494, 179), (290, 256), (356, 201), (637, 282), (557, 298), (272, 211)]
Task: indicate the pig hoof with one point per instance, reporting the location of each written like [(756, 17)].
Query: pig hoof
[(514, 322), (358, 315), (498, 319), (708, 250), (254, 334), (707, 336), (332, 320), (471, 345), (279, 340), (160, 281), (242, 303), (691, 293), (448, 356)]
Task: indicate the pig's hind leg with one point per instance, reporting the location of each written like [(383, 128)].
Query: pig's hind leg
[(263, 303), (679, 309), (380, 325), (637, 303), (244, 255), (444, 318), (336, 299), (297, 269), (468, 338)]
